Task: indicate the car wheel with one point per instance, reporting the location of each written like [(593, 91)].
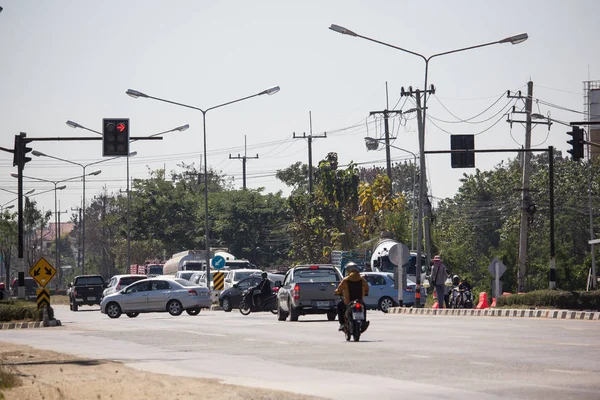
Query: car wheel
[(132, 314), (385, 303), (174, 307), (281, 315), (293, 314), (226, 304), (75, 306), (193, 311), (331, 316), (113, 310)]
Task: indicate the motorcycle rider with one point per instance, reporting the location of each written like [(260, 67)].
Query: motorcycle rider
[(462, 289), (352, 287), (261, 290)]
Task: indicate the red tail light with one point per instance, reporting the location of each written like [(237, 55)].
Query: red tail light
[(192, 292), (276, 289), (296, 292), (314, 267), (75, 293), (357, 306)]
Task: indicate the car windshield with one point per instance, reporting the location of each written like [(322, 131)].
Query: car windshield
[(156, 270), (243, 275), (408, 281), (89, 280), (130, 279), (316, 275), (186, 275)]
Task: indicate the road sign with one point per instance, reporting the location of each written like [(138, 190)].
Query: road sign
[(492, 268), (399, 254), (43, 298), (219, 281), (42, 272), (218, 262)]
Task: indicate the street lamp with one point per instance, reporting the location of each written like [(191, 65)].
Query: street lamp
[(181, 128), (421, 118), (135, 94), (373, 144), (56, 228)]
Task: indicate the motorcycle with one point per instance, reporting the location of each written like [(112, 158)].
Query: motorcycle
[(461, 298), (267, 304), (356, 322)]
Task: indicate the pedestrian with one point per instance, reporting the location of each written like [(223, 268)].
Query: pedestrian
[(438, 277)]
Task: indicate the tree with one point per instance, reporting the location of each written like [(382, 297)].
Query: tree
[(296, 176)]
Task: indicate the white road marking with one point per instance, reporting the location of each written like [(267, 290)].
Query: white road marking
[(480, 363), (564, 371), (204, 333), (574, 344), (418, 356)]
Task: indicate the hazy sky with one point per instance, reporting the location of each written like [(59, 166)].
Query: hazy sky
[(74, 60)]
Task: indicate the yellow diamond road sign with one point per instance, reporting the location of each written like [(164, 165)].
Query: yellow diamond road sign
[(42, 272)]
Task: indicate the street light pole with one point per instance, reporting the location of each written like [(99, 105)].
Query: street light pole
[(135, 94), (421, 117), (181, 128)]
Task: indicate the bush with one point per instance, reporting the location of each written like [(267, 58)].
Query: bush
[(555, 299), (15, 310)]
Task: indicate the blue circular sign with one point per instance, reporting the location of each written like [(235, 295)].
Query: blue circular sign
[(218, 262)]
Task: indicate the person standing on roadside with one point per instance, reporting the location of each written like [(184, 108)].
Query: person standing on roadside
[(438, 277)]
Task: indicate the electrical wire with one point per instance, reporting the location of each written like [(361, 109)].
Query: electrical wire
[(468, 120)]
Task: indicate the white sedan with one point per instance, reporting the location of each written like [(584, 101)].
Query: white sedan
[(160, 294)]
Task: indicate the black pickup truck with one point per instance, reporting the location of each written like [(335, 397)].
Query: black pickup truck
[(85, 290)]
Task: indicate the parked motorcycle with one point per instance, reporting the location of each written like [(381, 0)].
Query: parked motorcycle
[(267, 304), (356, 322), (461, 298)]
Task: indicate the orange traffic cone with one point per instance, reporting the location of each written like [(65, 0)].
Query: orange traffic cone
[(435, 303), (483, 301)]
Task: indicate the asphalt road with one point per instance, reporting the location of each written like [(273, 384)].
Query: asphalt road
[(399, 356)]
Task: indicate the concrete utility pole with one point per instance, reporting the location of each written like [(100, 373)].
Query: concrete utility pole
[(244, 158), (78, 209), (310, 139)]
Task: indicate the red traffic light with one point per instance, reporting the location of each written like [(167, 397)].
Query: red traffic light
[(121, 127)]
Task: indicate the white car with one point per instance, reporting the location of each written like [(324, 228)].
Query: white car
[(160, 294), (236, 275)]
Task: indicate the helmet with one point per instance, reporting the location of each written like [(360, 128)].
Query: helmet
[(455, 280), (351, 267), (264, 275)]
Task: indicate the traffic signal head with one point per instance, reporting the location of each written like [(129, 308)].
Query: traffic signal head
[(466, 159), (577, 143), (115, 137), (21, 150)]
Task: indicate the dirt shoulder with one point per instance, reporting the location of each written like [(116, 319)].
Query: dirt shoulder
[(51, 376)]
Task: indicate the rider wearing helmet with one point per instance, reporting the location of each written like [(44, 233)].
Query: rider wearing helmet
[(456, 280), (262, 290), (352, 287)]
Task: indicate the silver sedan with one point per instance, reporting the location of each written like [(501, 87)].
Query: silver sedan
[(160, 294)]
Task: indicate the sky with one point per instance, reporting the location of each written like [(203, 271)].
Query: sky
[(74, 60)]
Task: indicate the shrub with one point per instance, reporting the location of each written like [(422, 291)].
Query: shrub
[(555, 299), (8, 379), (15, 310)]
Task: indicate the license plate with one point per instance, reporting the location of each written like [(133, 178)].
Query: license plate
[(91, 299), (322, 304), (358, 316)]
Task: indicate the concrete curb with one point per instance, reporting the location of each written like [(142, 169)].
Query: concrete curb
[(493, 312), (29, 325), (216, 308)]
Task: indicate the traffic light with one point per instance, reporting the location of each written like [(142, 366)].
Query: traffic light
[(20, 151), (466, 159), (115, 137), (577, 143)]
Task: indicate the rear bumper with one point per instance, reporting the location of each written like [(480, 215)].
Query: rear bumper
[(315, 307)]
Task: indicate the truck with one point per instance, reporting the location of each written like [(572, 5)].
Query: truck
[(380, 260), (188, 260), (308, 289), (148, 269), (85, 290)]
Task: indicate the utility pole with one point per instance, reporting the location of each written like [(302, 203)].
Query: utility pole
[(386, 113), (244, 158), (526, 203), (78, 209), (310, 138)]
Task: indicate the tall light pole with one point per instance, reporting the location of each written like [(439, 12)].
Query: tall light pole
[(421, 118), (56, 229), (181, 128), (83, 166), (135, 94), (373, 144)]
